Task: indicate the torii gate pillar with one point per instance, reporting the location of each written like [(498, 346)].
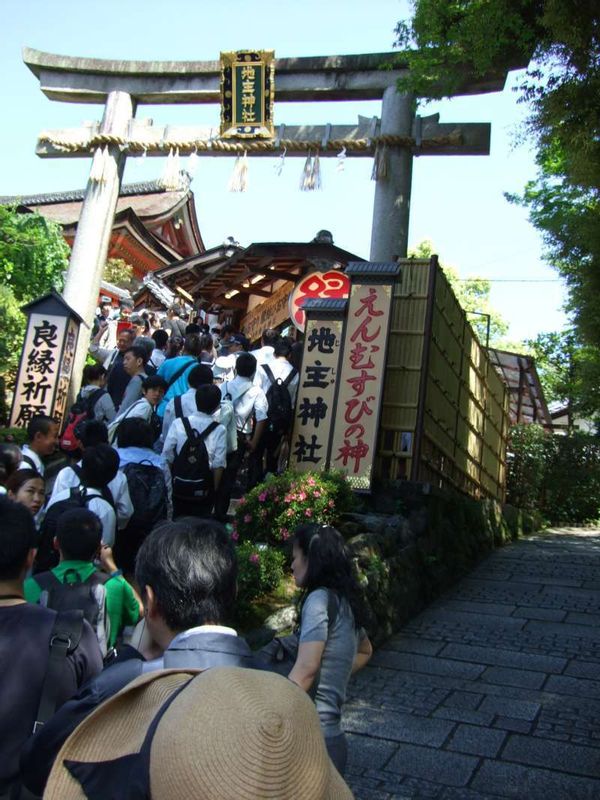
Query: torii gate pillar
[(391, 209), (90, 247)]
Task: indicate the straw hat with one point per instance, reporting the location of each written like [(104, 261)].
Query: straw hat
[(227, 733)]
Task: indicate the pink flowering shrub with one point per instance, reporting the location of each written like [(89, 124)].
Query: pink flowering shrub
[(260, 570), (271, 511)]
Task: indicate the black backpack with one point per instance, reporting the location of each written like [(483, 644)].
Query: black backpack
[(47, 557), (191, 472), (74, 594), (148, 493), (280, 413)]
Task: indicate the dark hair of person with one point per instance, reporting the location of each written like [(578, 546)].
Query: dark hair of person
[(245, 365), (192, 327), (191, 344), (20, 477), (41, 423), (208, 398), (138, 352), (269, 337), (282, 347), (79, 533), (191, 566), (10, 458), (206, 342), (174, 346), (135, 432), (296, 355), (92, 372), (92, 432), (154, 382), (160, 338), (200, 376), (329, 564), (225, 329), (17, 537), (99, 465)]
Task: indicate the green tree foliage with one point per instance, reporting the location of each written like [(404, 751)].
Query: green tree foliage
[(446, 41), (118, 272), (569, 372), (33, 259), (33, 254), (558, 476), (473, 294)]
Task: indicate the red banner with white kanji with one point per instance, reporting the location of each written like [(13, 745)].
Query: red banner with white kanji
[(360, 382)]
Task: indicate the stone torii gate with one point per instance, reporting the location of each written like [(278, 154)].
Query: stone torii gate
[(122, 86)]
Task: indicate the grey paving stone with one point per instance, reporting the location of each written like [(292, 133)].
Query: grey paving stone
[(471, 618), (566, 757), (476, 741), (552, 614), (408, 644), (426, 664), (583, 669), (520, 709), (560, 684), (468, 700), (464, 715), (583, 619), (581, 632), (397, 727), (492, 609), (512, 724), (365, 752), (452, 769), (529, 783), (514, 677), (495, 656)]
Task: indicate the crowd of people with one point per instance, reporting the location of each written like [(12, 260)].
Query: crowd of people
[(118, 585)]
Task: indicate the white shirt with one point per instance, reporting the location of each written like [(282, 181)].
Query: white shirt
[(39, 465), (100, 507), (248, 400), (68, 478), (281, 368), (225, 416), (264, 354), (215, 442), (157, 357), (141, 408), (188, 407), (224, 368)]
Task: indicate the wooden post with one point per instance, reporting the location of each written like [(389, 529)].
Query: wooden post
[(90, 247), (391, 210)]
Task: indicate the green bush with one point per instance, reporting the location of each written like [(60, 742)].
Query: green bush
[(16, 435), (555, 476), (260, 570), (271, 511)]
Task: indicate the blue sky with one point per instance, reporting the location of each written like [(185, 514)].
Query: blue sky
[(457, 202)]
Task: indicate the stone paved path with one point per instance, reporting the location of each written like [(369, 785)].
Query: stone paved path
[(493, 691)]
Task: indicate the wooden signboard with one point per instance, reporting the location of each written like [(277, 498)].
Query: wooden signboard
[(362, 369), (46, 363), (269, 314), (315, 405)]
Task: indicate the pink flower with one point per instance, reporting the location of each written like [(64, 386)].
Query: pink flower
[(302, 496), (287, 498), (254, 558), (308, 512), (331, 504), (262, 497), (317, 493), (311, 482), (247, 517), (285, 535), (235, 536), (290, 512), (242, 501)]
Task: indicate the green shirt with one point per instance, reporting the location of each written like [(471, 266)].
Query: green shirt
[(121, 605)]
